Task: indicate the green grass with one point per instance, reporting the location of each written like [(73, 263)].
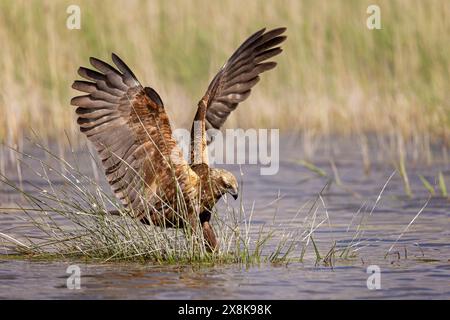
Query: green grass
[(442, 184), (427, 185), (405, 178)]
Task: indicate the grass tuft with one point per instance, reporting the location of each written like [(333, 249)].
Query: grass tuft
[(70, 219)]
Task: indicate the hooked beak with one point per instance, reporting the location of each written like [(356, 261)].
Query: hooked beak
[(234, 193)]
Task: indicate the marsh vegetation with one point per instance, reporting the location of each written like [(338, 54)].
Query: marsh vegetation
[(335, 76)]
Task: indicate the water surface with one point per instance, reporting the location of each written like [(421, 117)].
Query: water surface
[(418, 266)]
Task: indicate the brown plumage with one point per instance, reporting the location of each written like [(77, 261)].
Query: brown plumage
[(131, 131)]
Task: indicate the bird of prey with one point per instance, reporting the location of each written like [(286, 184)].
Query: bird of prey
[(130, 129)]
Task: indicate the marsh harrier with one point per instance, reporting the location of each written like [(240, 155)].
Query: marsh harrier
[(131, 132)]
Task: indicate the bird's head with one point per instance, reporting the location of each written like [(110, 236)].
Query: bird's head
[(224, 182)]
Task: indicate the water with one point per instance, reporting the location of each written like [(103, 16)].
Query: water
[(418, 266)]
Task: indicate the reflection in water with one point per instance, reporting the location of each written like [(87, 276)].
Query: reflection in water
[(418, 266)]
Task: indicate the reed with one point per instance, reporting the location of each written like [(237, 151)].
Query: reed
[(335, 75), (442, 184)]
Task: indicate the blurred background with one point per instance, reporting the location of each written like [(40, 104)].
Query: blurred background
[(335, 76)]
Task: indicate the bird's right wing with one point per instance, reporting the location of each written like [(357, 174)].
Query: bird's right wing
[(131, 132), (233, 84)]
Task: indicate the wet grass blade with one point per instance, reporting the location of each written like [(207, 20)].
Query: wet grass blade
[(427, 185), (313, 168), (442, 185)]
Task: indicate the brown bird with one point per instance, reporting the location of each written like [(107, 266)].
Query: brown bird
[(131, 132)]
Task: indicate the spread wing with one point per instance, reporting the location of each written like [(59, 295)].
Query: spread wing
[(233, 83), (131, 133)]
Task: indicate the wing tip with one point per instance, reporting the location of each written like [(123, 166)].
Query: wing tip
[(123, 67), (282, 38), (278, 30), (102, 66), (95, 61), (73, 101), (266, 66), (80, 71), (277, 33), (114, 56)]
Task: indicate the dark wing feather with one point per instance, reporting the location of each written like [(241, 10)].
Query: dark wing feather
[(131, 132), (233, 83), (240, 73)]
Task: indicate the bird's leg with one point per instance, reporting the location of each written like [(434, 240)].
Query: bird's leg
[(210, 237), (208, 232)]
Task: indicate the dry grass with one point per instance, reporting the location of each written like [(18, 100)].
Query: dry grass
[(334, 76)]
